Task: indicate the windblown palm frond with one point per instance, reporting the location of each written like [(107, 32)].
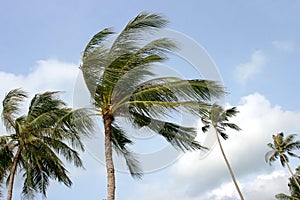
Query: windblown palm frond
[(281, 147), (11, 107)]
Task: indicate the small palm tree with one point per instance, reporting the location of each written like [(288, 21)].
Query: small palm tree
[(218, 118), (37, 140), (282, 147), (145, 103), (294, 190)]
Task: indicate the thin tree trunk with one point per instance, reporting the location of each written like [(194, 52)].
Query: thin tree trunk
[(291, 172), (108, 119), (229, 168), (13, 172)]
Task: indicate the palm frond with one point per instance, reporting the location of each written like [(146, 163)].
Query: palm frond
[(182, 138), (96, 42), (282, 196), (232, 126), (133, 32), (41, 164), (11, 107), (73, 125), (44, 103), (119, 141)]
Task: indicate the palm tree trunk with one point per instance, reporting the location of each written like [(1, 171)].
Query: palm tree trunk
[(291, 172), (13, 172), (108, 119), (229, 168)]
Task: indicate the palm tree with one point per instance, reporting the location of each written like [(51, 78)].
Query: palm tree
[(116, 76), (295, 192), (280, 148), (218, 118), (36, 141)]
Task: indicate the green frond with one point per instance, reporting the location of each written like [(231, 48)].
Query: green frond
[(44, 103), (134, 30), (282, 161), (182, 138), (11, 107), (231, 112), (41, 164), (205, 128), (293, 154), (283, 146), (64, 150), (271, 156), (72, 126), (197, 90), (96, 42), (282, 196), (119, 141), (232, 126)]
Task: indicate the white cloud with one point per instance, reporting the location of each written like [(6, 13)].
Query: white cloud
[(245, 71), (284, 45), (47, 75), (208, 178)]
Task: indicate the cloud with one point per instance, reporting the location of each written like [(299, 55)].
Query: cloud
[(194, 178), (47, 75), (245, 71), (261, 186), (286, 46)]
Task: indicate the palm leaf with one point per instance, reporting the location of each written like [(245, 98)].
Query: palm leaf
[(11, 107), (120, 141), (182, 138)]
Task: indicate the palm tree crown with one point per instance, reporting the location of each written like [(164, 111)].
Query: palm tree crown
[(281, 147), (219, 119), (37, 140), (117, 77)]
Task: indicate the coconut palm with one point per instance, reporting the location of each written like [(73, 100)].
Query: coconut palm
[(282, 147), (294, 190), (37, 141), (218, 118), (123, 85)]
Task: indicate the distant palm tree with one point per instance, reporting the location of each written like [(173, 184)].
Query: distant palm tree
[(218, 118), (282, 147), (294, 190), (36, 140), (126, 63)]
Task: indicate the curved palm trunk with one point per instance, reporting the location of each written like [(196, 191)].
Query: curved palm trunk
[(229, 168), (291, 172), (108, 119), (12, 173)]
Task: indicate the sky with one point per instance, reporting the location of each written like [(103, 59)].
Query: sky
[(254, 45)]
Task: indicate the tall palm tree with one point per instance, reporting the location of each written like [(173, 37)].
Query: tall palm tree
[(218, 118), (294, 190), (116, 76), (282, 147), (36, 141)]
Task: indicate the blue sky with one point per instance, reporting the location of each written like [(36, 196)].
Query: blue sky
[(254, 44)]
